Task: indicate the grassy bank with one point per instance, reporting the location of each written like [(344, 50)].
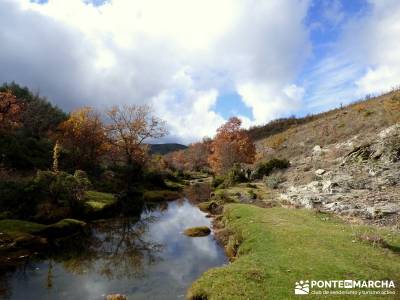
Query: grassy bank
[(278, 246), (96, 202), (16, 228)]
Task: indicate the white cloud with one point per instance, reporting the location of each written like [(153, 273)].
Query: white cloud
[(269, 101), (189, 112), (177, 54), (364, 60), (378, 37)]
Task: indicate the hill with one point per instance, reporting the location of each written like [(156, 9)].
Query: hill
[(165, 148), (291, 137), (344, 161)]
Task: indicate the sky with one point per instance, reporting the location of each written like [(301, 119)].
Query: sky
[(197, 63)]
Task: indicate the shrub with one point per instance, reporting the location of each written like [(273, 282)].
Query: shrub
[(252, 194), (265, 168), (18, 198), (235, 175), (154, 178), (217, 181), (62, 188), (273, 181)]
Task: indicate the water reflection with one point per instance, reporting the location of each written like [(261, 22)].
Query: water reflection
[(144, 258)]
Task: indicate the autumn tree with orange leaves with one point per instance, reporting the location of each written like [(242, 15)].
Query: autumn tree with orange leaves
[(177, 160), (10, 111), (231, 145), (84, 135)]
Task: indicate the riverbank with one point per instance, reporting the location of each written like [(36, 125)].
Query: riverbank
[(273, 248), (20, 238), (146, 257)]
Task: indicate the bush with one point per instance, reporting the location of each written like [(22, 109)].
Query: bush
[(18, 198), (62, 188), (24, 153), (252, 194), (154, 178), (273, 181), (235, 175), (265, 168), (217, 181)]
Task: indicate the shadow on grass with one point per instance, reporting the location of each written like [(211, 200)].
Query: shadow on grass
[(395, 249)]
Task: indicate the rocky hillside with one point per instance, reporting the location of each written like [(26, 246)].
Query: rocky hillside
[(347, 162), (363, 184), (364, 117)]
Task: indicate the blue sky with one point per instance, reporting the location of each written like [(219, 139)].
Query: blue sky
[(197, 63), (325, 21)]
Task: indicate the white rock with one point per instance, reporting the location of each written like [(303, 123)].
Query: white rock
[(317, 150)]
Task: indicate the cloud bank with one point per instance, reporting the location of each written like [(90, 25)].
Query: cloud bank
[(177, 55), (180, 56)]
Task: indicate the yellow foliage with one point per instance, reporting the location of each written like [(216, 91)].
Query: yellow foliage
[(276, 140), (360, 107)]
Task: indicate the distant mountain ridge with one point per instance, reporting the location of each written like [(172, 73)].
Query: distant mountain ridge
[(165, 148)]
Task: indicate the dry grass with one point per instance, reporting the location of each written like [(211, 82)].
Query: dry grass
[(365, 117)]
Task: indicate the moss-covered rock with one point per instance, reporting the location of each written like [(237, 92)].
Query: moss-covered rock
[(18, 234), (160, 195), (98, 202), (15, 234), (62, 228), (211, 207), (16, 227), (197, 231), (174, 185)]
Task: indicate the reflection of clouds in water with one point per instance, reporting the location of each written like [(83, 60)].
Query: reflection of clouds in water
[(170, 226), (94, 289), (177, 218), (184, 255), (183, 259), (206, 245)]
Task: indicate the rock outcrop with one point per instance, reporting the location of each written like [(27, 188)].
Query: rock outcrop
[(364, 183)]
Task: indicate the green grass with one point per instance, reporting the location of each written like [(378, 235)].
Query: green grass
[(15, 228), (18, 228), (160, 195), (174, 185), (281, 246), (97, 201)]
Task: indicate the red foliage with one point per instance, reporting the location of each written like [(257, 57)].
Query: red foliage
[(231, 145)]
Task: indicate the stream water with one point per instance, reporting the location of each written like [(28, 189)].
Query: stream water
[(144, 258)]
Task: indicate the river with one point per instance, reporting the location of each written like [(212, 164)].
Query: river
[(146, 257)]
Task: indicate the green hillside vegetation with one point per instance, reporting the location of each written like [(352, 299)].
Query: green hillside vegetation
[(29, 146), (165, 148)]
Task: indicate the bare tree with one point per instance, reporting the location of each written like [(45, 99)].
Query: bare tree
[(130, 127)]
